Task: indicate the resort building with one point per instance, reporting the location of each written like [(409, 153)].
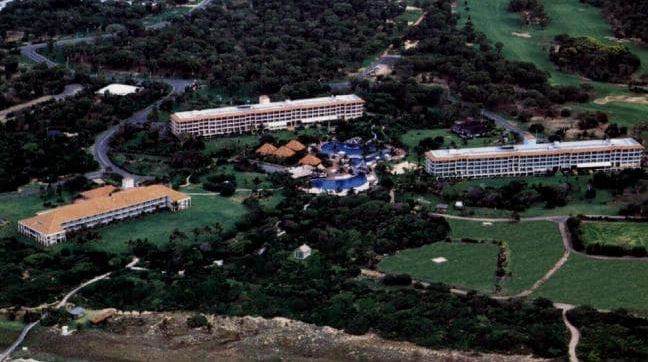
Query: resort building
[(531, 158), (51, 226), (266, 115)]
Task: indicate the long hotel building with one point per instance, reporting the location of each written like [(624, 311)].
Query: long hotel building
[(266, 115), (51, 226), (531, 159)]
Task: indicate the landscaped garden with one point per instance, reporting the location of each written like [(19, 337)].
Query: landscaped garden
[(624, 234)]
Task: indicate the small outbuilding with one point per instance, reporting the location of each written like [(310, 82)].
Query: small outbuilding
[(441, 208), (459, 205), (303, 252), (117, 89)]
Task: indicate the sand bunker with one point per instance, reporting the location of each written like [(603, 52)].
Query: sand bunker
[(521, 35), (622, 99), (439, 260)]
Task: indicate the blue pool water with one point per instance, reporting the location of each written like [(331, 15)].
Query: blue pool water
[(334, 147), (344, 184)]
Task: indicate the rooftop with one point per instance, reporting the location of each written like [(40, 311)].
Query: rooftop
[(102, 191), (51, 221), (533, 148), (272, 106), (118, 89)]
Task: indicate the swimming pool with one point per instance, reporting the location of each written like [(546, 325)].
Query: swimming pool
[(334, 147), (339, 184)]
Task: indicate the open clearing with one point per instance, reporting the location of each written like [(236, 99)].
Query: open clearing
[(624, 234), (470, 266), (534, 247), (605, 284), (492, 18)]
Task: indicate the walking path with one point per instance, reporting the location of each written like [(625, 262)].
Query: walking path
[(575, 333), (68, 91)]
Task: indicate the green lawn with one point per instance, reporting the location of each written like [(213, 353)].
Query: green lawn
[(205, 210), (601, 284), (470, 266), (566, 16), (624, 234), (142, 164), (15, 206), (534, 248)]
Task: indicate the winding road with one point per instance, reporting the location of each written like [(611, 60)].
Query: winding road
[(101, 147)]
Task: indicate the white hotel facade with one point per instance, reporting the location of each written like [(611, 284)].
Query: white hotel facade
[(533, 159), (52, 226), (267, 115)]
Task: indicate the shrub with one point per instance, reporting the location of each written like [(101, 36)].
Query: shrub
[(197, 321)]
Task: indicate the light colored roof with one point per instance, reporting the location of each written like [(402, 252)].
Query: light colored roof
[(265, 107), (295, 145), (102, 191), (118, 89), (531, 149), (266, 149), (304, 248), (51, 221), (284, 152), (310, 160)]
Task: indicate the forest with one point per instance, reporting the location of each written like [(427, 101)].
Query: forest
[(23, 84), (628, 17), (593, 59), (59, 17), (264, 45), (532, 11)]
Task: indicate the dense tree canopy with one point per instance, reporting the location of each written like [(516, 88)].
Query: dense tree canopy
[(56, 17), (593, 59), (268, 44)]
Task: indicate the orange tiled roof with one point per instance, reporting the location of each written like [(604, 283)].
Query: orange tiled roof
[(310, 160), (51, 221), (295, 145), (266, 150), (102, 191), (284, 152)]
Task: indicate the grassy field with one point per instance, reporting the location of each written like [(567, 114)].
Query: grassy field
[(566, 16), (470, 266), (601, 284), (204, 210), (534, 248), (624, 234)]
